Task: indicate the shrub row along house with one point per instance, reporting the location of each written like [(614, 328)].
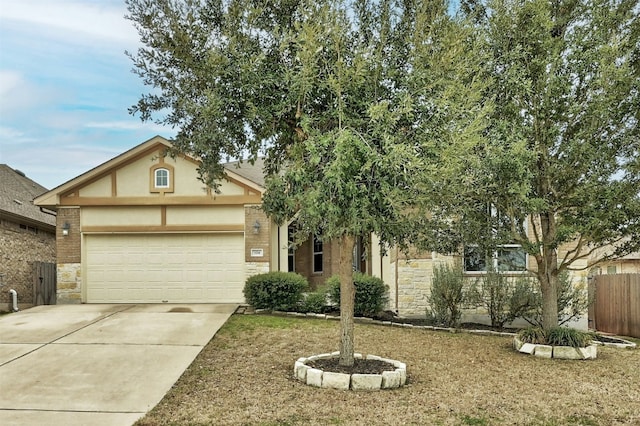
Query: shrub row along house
[(142, 228)]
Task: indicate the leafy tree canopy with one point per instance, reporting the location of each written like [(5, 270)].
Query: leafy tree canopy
[(559, 170), (349, 100)]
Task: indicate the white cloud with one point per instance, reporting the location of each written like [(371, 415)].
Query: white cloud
[(130, 125), (9, 80), (72, 19), (9, 133)]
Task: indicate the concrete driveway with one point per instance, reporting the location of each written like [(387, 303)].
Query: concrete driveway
[(97, 364)]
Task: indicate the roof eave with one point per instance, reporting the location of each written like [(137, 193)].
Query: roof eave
[(51, 199)]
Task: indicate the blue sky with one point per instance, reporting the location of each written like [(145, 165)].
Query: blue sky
[(65, 86)]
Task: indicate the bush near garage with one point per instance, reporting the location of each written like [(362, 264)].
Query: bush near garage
[(371, 294), (279, 291)]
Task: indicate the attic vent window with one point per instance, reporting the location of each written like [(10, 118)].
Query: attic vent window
[(162, 178)]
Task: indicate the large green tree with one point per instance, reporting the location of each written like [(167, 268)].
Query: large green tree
[(349, 101), (559, 171)]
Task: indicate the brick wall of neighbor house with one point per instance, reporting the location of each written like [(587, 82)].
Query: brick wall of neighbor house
[(69, 271), (19, 248), (253, 241)]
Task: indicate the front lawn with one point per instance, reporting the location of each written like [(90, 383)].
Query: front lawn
[(244, 377)]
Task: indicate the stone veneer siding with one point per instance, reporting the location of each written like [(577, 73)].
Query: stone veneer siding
[(19, 249), (255, 268), (69, 283), (414, 286), (69, 270)]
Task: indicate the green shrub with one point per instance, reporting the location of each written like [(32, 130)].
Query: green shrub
[(504, 300), (573, 302), (315, 302), (446, 295), (533, 335), (371, 293), (563, 336), (281, 291), (556, 336)]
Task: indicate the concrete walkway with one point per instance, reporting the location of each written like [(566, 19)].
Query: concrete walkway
[(97, 364)]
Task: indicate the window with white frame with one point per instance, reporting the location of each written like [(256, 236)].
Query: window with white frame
[(317, 254), (291, 250), (504, 257), (161, 178)]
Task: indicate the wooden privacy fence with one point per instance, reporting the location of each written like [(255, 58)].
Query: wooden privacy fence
[(616, 307), (44, 283)]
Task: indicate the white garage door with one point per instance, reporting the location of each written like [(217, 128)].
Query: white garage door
[(172, 268)]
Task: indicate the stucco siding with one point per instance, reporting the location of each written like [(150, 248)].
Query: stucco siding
[(118, 216), (185, 215), (100, 188)]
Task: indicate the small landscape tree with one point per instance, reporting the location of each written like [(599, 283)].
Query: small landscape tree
[(558, 171), (347, 100)]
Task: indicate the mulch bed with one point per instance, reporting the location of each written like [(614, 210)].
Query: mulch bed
[(360, 366)]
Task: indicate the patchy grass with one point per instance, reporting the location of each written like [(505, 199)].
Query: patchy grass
[(244, 377)]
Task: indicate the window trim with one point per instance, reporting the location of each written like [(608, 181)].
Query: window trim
[(315, 253), (157, 177), (291, 250), (153, 188), (494, 258)]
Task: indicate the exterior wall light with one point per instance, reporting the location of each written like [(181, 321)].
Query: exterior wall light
[(256, 227), (65, 229)]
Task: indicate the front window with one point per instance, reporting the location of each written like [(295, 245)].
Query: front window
[(506, 258), (291, 250), (317, 254), (511, 258), (474, 259), (162, 178)]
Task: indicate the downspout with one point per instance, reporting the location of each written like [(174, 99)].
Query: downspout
[(14, 300), (396, 280)]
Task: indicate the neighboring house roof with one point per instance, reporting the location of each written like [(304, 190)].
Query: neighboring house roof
[(248, 174), (253, 172), (16, 197), (631, 256)]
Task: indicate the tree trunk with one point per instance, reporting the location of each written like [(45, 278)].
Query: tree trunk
[(347, 300), (549, 287), (548, 271)]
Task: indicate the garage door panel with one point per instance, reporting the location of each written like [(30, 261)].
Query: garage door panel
[(193, 268)]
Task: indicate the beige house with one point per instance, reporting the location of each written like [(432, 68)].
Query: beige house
[(141, 228)]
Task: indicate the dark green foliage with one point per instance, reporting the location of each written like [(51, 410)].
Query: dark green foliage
[(533, 335), (504, 299), (563, 336), (371, 293), (315, 302), (573, 301), (556, 336), (446, 295), (280, 291)]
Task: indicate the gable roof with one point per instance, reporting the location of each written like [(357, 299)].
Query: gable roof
[(247, 174), (253, 172), (16, 197)]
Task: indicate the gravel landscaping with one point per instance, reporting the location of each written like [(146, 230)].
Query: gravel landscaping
[(244, 376)]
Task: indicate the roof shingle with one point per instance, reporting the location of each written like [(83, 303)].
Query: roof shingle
[(17, 193)]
